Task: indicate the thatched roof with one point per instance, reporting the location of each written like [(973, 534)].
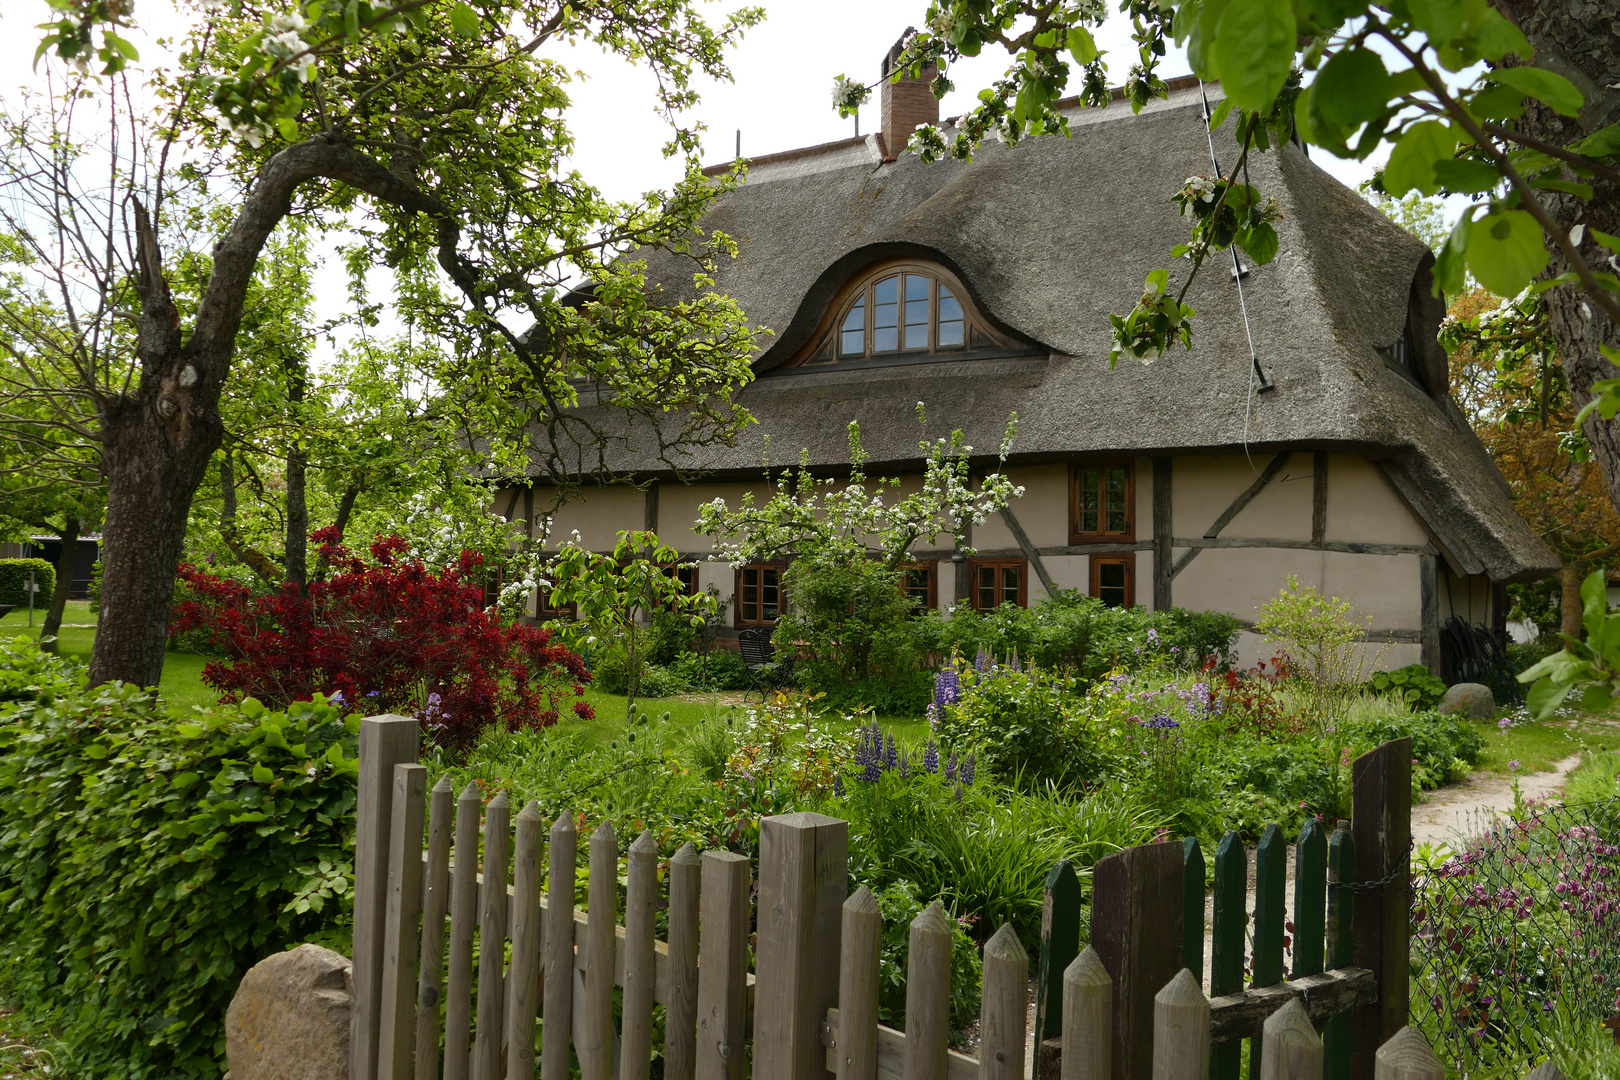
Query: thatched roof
[(1050, 237)]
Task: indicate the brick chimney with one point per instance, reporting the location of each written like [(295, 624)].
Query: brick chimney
[(906, 103)]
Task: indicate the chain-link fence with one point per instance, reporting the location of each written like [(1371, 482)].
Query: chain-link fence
[(1523, 923)]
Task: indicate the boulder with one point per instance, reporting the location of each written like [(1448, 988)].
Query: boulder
[(289, 1019), (1471, 699)]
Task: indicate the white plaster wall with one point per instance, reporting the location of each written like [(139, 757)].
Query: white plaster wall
[(1362, 507), (1239, 580), (1372, 656), (945, 585), (598, 514), (1203, 487), (678, 510), (1070, 571), (1468, 597), (721, 575)]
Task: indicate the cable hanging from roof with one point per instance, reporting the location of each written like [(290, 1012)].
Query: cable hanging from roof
[(1258, 380)]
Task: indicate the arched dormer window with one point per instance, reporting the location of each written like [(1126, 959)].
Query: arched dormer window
[(903, 309)]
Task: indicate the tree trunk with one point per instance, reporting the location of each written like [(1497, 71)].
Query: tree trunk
[(1569, 597), (297, 542), (1579, 39), (65, 562), (157, 441)]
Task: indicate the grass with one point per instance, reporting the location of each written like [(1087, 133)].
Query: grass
[(182, 672), (1537, 747)]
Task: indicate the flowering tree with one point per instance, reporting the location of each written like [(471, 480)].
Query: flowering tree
[(850, 544), (392, 634), (615, 591)]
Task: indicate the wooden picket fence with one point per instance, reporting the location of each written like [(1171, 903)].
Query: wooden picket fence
[(1129, 1006)]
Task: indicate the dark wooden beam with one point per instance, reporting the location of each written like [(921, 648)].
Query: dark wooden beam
[(1429, 605), (1319, 482), (1270, 473), (1162, 530), (1031, 554), (1353, 548), (652, 507), (528, 513)]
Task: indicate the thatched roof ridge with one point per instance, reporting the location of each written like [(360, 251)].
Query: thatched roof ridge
[(1051, 236)]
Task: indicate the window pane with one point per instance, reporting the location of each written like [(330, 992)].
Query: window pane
[(1088, 500), (853, 333), (987, 587), (886, 315), (771, 593), (1116, 500), (1111, 583), (950, 320), (1009, 584)]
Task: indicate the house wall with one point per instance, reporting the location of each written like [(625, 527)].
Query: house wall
[(1268, 540)]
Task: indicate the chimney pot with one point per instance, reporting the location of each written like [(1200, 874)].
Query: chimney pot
[(906, 103)]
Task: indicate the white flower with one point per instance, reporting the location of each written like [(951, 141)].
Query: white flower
[(943, 24), (283, 45), (847, 93), (292, 21)]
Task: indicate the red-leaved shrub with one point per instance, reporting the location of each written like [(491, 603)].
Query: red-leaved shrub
[(390, 636)]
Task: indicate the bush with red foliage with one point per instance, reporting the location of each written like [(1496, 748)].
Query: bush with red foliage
[(390, 636)]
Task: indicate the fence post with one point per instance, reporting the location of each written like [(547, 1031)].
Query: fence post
[(723, 969), (1001, 1008), (861, 948), (1180, 1030), (1381, 824), (1293, 1050), (680, 1014), (435, 908), (1136, 913), (928, 994), (803, 882), (1407, 1056), (1088, 1006), (385, 741), (1060, 944), (397, 1011)]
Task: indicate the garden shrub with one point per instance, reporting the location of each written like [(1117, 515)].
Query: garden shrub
[(1444, 746), (717, 669), (899, 905), (14, 575), (28, 674), (394, 633), (1416, 686), (149, 857), (1076, 632), (850, 623), (1027, 726), (904, 695)]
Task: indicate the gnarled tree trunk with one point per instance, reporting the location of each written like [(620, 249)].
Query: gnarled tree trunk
[(1579, 39)]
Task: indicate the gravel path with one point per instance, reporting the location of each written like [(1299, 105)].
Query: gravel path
[(1463, 809)]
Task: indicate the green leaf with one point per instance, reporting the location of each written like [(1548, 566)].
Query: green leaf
[(1411, 163), (1260, 243), (1505, 250), (1597, 698), (1495, 37), (45, 47), (1604, 142), (1443, 20), (288, 128), (1545, 696), (1220, 113), (184, 780), (1543, 85), (1254, 51), (1352, 88), (262, 775), (1466, 176), (1594, 602), (1082, 46), (94, 751), (351, 20), (125, 49), (464, 20)]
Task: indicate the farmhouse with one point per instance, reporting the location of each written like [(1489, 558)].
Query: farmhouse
[(1309, 431)]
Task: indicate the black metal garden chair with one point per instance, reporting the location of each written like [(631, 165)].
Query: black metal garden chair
[(765, 671)]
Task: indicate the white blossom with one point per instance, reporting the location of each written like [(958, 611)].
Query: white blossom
[(847, 93), (292, 21)]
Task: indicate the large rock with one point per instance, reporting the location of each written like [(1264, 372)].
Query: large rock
[(289, 1019), (1470, 699)]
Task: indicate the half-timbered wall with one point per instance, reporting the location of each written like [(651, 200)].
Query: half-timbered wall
[(1240, 525)]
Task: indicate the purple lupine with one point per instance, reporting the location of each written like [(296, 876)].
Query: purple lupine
[(958, 796), (982, 662), (1012, 662), (891, 754), (838, 785), (932, 713), (931, 757), (947, 687), (950, 767), (905, 766), (968, 769)]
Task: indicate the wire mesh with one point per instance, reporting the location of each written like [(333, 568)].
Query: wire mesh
[(1522, 921)]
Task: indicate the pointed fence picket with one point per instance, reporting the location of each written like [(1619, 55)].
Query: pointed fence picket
[(484, 968)]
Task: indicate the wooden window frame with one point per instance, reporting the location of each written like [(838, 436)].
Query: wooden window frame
[(823, 349), (931, 601), (737, 600), (975, 565), (1076, 536), (543, 613), (1125, 558)]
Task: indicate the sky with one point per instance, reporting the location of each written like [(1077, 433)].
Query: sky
[(779, 99)]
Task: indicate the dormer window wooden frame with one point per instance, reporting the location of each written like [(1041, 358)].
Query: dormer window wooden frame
[(903, 309)]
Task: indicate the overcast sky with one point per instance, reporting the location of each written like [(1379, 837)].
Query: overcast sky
[(780, 98)]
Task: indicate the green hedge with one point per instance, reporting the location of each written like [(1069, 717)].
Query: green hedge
[(14, 573), (149, 857)]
